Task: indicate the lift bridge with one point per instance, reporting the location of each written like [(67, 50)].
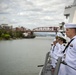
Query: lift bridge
[(45, 29), (42, 29)]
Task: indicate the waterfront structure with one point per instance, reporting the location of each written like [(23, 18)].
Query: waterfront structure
[(70, 13), (22, 29), (5, 26)]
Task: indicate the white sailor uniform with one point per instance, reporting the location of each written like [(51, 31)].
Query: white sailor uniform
[(51, 54), (54, 56), (58, 54), (61, 54), (70, 58), (60, 51)]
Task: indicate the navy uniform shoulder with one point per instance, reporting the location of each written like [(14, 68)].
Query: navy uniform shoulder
[(64, 44)]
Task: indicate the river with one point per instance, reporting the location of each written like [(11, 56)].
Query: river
[(22, 56)]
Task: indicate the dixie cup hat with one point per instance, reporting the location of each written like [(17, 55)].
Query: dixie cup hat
[(70, 25)]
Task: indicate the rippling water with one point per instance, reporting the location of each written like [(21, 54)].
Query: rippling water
[(21, 57)]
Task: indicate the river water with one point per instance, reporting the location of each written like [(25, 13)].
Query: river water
[(22, 56)]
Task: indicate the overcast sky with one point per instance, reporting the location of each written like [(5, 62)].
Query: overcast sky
[(33, 13)]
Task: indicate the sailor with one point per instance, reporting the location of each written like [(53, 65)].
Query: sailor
[(52, 53), (62, 42), (70, 51), (60, 45), (52, 47), (58, 50)]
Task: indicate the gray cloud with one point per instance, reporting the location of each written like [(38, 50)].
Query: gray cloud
[(32, 13)]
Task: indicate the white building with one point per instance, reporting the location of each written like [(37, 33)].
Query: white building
[(5, 26), (70, 13)]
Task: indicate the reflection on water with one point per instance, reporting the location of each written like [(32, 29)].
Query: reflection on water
[(21, 57)]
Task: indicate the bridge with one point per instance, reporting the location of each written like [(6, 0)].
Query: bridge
[(38, 29), (45, 29)]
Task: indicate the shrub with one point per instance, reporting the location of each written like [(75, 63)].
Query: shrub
[(5, 36)]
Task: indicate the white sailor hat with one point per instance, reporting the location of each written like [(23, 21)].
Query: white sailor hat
[(54, 40), (59, 34), (70, 25), (63, 37)]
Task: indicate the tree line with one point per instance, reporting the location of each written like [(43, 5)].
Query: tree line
[(9, 34)]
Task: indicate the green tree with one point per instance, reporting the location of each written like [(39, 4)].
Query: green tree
[(5, 36)]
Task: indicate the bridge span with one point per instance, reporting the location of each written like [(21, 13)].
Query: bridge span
[(41, 29), (44, 29)]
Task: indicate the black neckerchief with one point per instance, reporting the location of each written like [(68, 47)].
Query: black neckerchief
[(68, 44), (53, 48)]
